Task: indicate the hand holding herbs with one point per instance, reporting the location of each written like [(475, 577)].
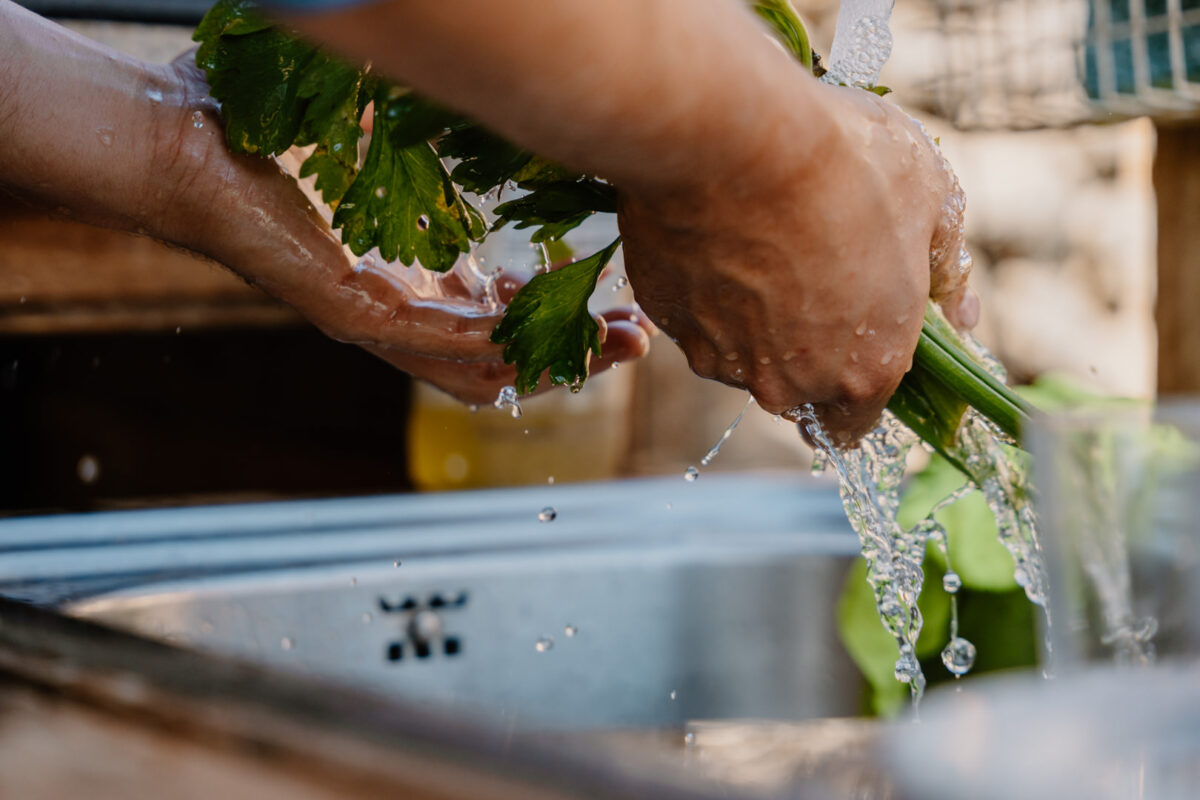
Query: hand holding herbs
[(782, 231)]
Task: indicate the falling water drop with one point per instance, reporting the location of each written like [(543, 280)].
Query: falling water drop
[(88, 469), (690, 474), (544, 643), (507, 398), (951, 582), (548, 514), (959, 656)]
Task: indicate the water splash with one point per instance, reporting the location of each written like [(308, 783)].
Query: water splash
[(715, 450), (869, 479), (862, 43), (507, 398)]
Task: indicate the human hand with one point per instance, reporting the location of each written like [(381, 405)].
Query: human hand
[(801, 272), (249, 214)]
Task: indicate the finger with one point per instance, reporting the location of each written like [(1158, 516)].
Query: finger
[(626, 341), (631, 314), (962, 309), (949, 260)]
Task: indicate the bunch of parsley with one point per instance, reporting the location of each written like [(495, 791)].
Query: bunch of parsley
[(276, 91)]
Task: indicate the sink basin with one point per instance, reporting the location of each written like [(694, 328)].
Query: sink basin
[(642, 604)]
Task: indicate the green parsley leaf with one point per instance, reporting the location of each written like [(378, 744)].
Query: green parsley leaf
[(255, 71), (486, 160), (331, 123), (548, 327), (403, 201), (414, 119), (557, 207)]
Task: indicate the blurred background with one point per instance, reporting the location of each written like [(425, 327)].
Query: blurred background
[(131, 374)]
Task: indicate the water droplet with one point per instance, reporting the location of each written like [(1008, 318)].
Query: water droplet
[(906, 669), (178, 330), (154, 95), (854, 356), (633, 317), (614, 365), (550, 480), (673, 695), (951, 582), (105, 135), (544, 643), (507, 398), (690, 474), (397, 563), (570, 631), (959, 656), (24, 300), (689, 739), (381, 192), (287, 643), (423, 223), (731, 356), (354, 581), (861, 329), (548, 514), (366, 617), (197, 119), (765, 360), (620, 284), (88, 469), (669, 506), (887, 358), (901, 319)]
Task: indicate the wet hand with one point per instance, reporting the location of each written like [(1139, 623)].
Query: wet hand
[(801, 272), (249, 214)]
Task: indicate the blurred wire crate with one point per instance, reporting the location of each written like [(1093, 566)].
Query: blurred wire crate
[(1020, 64)]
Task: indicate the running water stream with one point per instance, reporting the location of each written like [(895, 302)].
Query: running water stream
[(869, 478)]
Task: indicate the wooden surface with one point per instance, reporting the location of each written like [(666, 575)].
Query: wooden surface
[(61, 276), (1177, 311)]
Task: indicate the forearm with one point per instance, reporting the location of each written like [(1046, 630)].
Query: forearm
[(644, 92), (74, 119)]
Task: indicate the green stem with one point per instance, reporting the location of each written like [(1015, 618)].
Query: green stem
[(945, 380), (780, 15)]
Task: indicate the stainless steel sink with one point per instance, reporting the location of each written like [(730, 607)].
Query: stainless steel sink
[(643, 604)]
